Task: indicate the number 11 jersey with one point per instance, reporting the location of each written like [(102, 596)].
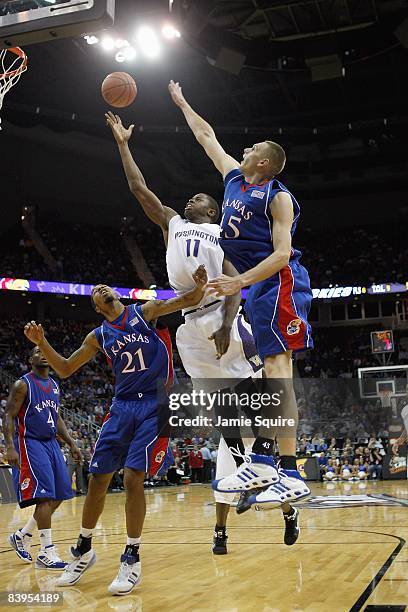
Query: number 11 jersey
[(189, 245)]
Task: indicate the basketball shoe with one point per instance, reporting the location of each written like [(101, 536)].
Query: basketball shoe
[(21, 544), (243, 503), (220, 541), (256, 471), (292, 527), (73, 572), (49, 559), (290, 487), (129, 575)]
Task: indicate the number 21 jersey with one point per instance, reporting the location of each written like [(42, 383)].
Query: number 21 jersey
[(138, 357)]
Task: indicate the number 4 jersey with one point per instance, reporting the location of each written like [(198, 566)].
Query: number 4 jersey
[(138, 357), (190, 245), (38, 415)]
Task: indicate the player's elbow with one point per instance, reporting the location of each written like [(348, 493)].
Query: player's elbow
[(204, 136), (137, 188), (283, 257)]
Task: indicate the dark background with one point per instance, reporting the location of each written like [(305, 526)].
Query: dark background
[(345, 137)]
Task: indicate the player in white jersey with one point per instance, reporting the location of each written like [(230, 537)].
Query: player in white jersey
[(215, 341)]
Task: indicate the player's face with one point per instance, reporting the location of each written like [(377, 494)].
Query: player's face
[(38, 359), (103, 295), (196, 207), (252, 156)]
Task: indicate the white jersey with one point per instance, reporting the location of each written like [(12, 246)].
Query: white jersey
[(404, 416), (188, 246)]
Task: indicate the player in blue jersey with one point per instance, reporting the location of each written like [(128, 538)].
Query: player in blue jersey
[(259, 220), (40, 475), (134, 435)]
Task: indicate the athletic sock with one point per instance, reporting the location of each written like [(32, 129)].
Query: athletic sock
[(288, 462), (289, 512), (238, 444), (133, 541), (263, 446), (45, 538), (29, 527), (84, 543), (132, 550)]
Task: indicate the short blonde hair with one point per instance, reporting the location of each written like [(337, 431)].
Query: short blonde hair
[(277, 156)]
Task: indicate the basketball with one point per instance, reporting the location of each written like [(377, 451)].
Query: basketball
[(119, 89)]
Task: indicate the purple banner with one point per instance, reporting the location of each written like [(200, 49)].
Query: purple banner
[(334, 292)]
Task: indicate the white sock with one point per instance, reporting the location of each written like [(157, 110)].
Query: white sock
[(133, 541), (29, 527), (45, 538), (86, 533)]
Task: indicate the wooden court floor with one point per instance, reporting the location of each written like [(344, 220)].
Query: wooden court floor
[(345, 559)]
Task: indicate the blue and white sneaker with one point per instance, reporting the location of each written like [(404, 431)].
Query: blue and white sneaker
[(49, 559), (21, 545), (257, 471), (73, 571), (290, 488), (129, 575)]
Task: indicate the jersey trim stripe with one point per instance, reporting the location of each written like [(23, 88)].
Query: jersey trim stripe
[(297, 314), (274, 315), (286, 313), (25, 464)]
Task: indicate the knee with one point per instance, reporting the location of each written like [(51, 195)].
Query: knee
[(98, 483), (133, 480)]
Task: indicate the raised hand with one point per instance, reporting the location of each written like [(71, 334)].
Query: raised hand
[(200, 277), (34, 332), (176, 94), (120, 133)]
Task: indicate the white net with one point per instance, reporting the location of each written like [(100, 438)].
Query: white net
[(13, 62)]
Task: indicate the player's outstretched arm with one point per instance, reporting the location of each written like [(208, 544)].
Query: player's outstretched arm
[(203, 132), (157, 308), (150, 203), (14, 402), (222, 336), (64, 367), (282, 213)]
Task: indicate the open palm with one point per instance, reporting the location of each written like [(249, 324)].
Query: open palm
[(120, 133)]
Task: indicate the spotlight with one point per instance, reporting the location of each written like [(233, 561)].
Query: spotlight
[(120, 57), (170, 31), (121, 43), (108, 44), (129, 53), (148, 42), (91, 40)]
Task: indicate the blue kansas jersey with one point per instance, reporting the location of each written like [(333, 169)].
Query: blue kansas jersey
[(138, 357), (38, 415), (246, 224)]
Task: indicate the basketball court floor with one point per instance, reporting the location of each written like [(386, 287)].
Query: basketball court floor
[(346, 558)]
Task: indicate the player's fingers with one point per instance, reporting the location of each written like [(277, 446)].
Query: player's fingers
[(212, 336)]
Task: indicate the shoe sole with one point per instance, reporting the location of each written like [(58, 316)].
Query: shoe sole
[(255, 486), (91, 563), (41, 566), (220, 552), (138, 581), (12, 544), (278, 503)]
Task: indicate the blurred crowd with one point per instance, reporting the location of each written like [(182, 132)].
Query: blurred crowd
[(371, 254)]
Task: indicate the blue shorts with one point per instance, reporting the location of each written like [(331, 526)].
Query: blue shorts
[(278, 308), (43, 473), (135, 435)]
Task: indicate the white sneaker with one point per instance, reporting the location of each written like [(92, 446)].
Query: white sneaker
[(129, 576), (291, 487), (74, 570), (257, 471), (49, 559), (21, 545)]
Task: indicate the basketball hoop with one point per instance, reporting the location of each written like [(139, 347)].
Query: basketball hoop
[(13, 62), (385, 397)]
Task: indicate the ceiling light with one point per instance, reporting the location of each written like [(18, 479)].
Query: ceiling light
[(91, 40), (108, 44), (120, 57), (148, 42), (129, 53), (170, 31)]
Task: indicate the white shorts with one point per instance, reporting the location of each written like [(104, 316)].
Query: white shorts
[(198, 353)]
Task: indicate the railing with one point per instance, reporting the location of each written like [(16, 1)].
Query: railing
[(77, 420)]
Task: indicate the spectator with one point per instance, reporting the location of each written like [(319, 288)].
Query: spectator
[(196, 465)]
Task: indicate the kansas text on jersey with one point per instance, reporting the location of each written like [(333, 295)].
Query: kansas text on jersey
[(138, 357)]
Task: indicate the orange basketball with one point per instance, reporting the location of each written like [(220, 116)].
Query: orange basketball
[(119, 89)]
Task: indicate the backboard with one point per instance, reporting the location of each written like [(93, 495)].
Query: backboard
[(24, 22), (373, 381)]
